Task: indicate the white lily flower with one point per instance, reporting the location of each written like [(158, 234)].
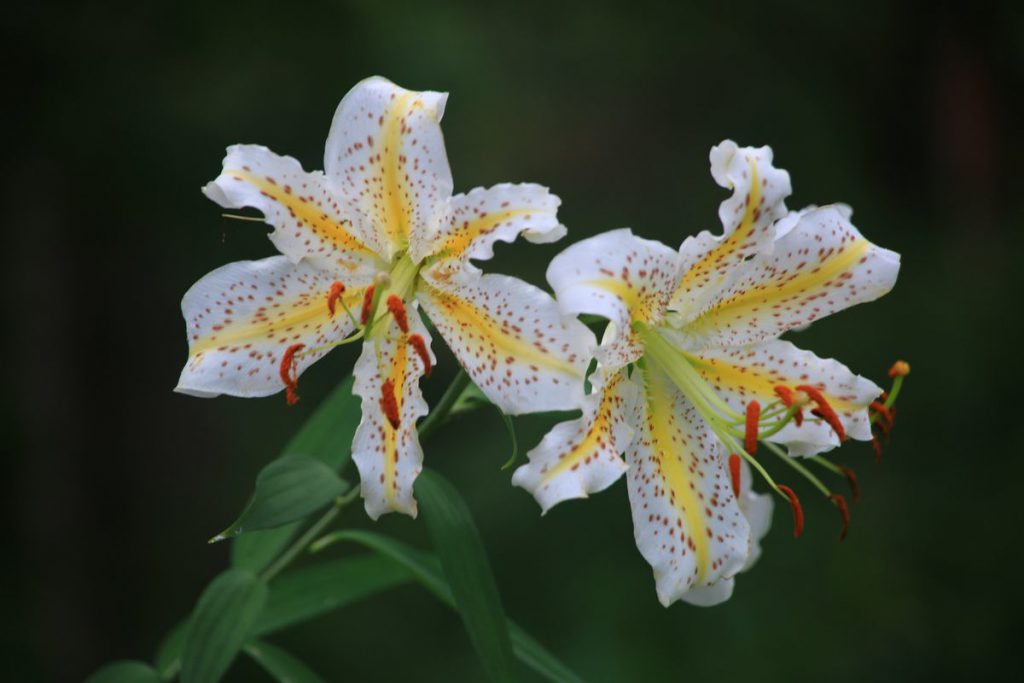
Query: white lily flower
[(691, 353), (380, 233)]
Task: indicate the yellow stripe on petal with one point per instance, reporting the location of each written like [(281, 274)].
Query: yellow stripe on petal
[(241, 318), (398, 377), (276, 319), (596, 438), (393, 168), (475, 221), (511, 338), (482, 328), (701, 272), (386, 447), (762, 298), (301, 209), (457, 244), (669, 450)]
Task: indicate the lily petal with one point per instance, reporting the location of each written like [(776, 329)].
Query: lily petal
[(686, 520), (583, 456), (241, 317), (711, 263), (308, 222), (751, 373), (389, 457), (618, 276), (385, 154), (479, 219), (510, 337), (820, 266), (758, 509)]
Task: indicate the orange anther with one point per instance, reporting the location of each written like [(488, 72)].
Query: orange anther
[(734, 473), (884, 413), (397, 309), (844, 513), (337, 289), (420, 347), (753, 417), (798, 511), (877, 445), (824, 410), (851, 478), (789, 398), (289, 373), (900, 368), (389, 403), (367, 303)]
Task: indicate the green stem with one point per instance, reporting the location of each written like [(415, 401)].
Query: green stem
[(439, 414), (433, 421), (792, 462), (312, 532)]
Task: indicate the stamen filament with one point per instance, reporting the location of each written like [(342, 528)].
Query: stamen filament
[(806, 473)]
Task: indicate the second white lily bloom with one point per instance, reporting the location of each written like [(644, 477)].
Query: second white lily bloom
[(692, 339)]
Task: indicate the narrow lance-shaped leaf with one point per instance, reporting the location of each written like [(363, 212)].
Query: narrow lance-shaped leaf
[(168, 657), (220, 624), (125, 671), (426, 569), (287, 489), (468, 572), (284, 667), (326, 436), (305, 593)]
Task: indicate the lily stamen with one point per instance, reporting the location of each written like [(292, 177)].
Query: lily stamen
[(368, 298), (792, 398), (389, 403), (289, 373), (851, 478), (753, 417), (798, 511), (397, 310), (734, 473), (844, 512), (824, 410), (419, 345), (335, 292)]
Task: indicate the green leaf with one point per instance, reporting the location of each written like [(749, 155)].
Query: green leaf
[(125, 671), (326, 436), (468, 573), (288, 489), (303, 594), (511, 428), (220, 625), (281, 665), (168, 657), (426, 569)]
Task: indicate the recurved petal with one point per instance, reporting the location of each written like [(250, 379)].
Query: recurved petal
[(308, 221), (385, 154), (617, 276), (386, 447), (241, 317), (477, 220), (751, 373), (584, 456), (821, 265), (686, 520), (711, 263), (510, 337), (758, 509)]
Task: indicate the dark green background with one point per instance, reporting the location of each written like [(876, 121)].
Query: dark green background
[(117, 114)]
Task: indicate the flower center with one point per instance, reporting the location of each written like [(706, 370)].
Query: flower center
[(741, 433)]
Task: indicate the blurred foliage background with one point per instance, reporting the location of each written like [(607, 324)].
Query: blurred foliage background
[(118, 112)]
